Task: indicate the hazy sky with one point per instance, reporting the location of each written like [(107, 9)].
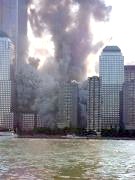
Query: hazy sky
[(122, 27), (119, 30)]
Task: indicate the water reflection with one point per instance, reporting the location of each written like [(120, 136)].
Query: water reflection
[(66, 159)]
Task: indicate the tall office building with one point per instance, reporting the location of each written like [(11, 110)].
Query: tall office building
[(129, 105), (82, 109), (13, 21), (93, 104), (7, 57), (68, 105), (111, 71), (128, 96), (129, 72)]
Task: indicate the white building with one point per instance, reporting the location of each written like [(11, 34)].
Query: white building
[(6, 84), (111, 72), (68, 105)]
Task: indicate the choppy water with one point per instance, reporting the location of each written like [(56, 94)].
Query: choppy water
[(46, 159)]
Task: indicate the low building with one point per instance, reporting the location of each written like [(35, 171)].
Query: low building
[(28, 121)]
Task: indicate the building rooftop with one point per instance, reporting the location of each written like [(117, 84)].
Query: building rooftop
[(3, 34), (93, 77), (129, 67), (111, 49)]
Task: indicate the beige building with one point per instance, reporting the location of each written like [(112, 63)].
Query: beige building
[(68, 105)]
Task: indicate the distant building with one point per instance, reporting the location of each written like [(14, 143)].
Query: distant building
[(93, 104), (82, 109), (129, 105), (128, 96), (111, 72), (29, 121), (13, 21), (7, 57), (129, 72), (68, 105)]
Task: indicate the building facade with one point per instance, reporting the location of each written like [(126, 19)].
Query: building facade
[(93, 104), (13, 21), (128, 96), (68, 105), (82, 109), (129, 72), (7, 57), (129, 105), (29, 121), (111, 72)]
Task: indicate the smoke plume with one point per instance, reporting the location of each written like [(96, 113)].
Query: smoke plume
[(28, 83), (68, 21), (34, 62)]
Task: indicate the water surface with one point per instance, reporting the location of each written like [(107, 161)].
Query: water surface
[(48, 159)]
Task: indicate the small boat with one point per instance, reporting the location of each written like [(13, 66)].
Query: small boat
[(72, 136), (8, 133)]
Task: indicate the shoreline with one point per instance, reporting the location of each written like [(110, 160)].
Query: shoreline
[(76, 137)]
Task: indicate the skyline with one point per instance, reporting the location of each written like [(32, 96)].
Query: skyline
[(59, 117), (69, 60)]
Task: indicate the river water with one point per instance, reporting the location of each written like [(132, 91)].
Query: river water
[(60, 159)]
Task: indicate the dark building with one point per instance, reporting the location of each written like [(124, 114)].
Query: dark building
[(82, 108), (129, 72), (13, 21), (129, 105), (93, 104), (128, 98)]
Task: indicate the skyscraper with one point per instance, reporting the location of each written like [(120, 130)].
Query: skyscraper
[(68, 105), (111, 71), (93, 104), (82, 109), (7, 57), (128, 96), (13, 21), (129, 105)]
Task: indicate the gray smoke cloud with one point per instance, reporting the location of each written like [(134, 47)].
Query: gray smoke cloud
[(28, 83), (34, 61), (68, 21)]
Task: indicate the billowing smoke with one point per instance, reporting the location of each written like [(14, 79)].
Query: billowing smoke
[(68, 21), (34, 62), (28, 83)]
